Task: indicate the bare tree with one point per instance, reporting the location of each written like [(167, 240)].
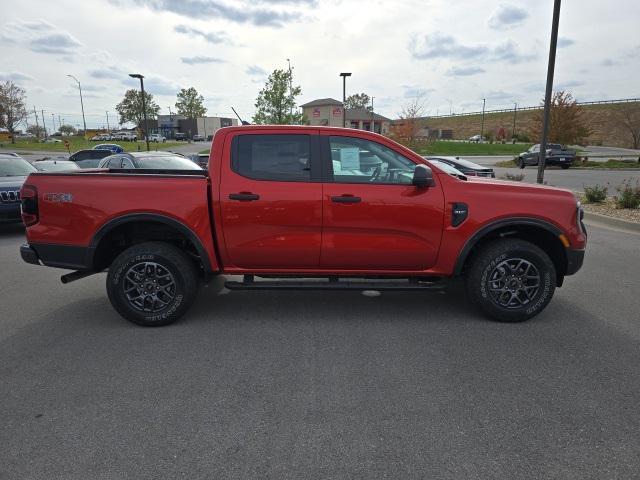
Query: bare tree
[(12, 107), (628, 117), (409, 129)]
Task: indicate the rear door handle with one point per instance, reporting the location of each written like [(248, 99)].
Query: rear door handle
[(244, 197), (346, 199)]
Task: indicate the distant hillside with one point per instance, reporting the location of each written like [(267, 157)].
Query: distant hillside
[(603, 118)]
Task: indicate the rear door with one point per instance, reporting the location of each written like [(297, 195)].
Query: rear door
[(374, 218), (270, 198)]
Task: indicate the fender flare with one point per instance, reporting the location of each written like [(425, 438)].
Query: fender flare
[(488, 228), (150, 217)]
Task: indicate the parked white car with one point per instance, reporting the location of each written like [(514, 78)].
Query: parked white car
[(156, 137), (477, 139), (126, 136)]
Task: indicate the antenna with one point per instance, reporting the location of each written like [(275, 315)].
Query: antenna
[(241, 120)]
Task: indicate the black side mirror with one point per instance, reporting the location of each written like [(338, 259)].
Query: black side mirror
[(423, 177)]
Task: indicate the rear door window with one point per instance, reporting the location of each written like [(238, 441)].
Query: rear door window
[(272, 157)]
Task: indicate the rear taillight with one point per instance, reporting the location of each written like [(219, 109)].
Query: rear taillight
[(29, 204)]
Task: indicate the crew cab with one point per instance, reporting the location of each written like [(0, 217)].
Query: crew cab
[(293, 207)]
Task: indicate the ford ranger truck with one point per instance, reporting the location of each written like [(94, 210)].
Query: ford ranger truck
[(293, 207)]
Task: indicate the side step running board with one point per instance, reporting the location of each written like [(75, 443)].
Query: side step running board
[(334, 283)]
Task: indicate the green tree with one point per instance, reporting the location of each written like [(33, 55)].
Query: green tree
[(190, 103), (358, 100), (276, 102), (12, 107), (130, 108), (67, 129)]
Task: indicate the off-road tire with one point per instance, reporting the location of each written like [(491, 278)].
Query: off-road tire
[(485, 289), (152, 268)]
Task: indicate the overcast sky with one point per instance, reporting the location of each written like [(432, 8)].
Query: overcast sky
[(454, 52)]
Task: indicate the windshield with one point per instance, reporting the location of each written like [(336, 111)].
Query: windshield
[(15, 167), (166, 162), (56, 166), (447, 168)]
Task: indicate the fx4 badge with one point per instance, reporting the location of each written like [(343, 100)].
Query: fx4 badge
[(57, 197)]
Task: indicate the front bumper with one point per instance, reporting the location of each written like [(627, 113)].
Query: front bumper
[(10, 213), (575, 258)]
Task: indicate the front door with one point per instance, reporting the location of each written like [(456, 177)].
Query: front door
[(271, 201), (374, 218)]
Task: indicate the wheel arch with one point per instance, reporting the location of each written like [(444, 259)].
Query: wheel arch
[(539, 232), (100, 253)]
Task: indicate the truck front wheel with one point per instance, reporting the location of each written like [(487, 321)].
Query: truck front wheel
[(511, 280), (152, 284)]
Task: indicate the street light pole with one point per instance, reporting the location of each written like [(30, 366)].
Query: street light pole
[(344, 76), (84, 122), (144, 107), (108, 127), (290, 88), (547, 95), (44, 125), (373, 119), (484, 102), (513, 131)]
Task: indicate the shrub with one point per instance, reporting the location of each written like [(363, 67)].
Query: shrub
[(628, 195), (514, 177), (595, 194)]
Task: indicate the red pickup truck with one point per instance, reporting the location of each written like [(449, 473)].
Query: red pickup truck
[(303, 208)]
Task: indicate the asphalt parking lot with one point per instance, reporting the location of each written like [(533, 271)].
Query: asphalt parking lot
[(321, 384)]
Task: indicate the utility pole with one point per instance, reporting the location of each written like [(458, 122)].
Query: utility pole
[(513, 131), (53, 121), (59, 123), (108, 127), (484, 102), (547, 97), (44, 125), (37, 124), (290, 88), (344, 76)]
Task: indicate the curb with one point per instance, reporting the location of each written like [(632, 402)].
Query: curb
[(611, 221)]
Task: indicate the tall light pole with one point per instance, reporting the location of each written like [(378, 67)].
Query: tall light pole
[(344, 76), (373, 118), (84, 122), (108, 127), (547, 95), (484, 102), (53, 121), (44, 125), (513, 131), (450, 106), (144, 107)]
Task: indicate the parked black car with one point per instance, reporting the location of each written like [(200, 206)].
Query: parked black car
[(202, 159), (152, 160), (465, 166), (13, 173), (89, 158), (556, 155)]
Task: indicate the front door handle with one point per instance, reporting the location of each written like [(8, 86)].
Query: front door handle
[(244, 197), (346, 199)]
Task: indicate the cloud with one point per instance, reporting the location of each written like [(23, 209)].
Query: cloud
[(15, 77), (40, 36), (439, 45), (568, 85), (507, 16), (108, 72), (255, 70), (200, 59), (464, 71), (211, 37), (564, 42), (239, 12)]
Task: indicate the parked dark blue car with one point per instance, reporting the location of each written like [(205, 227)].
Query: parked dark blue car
[(13, 173), (112, 147)]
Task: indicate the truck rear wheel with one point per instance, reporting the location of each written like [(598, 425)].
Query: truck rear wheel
[(511, 280), (152, 284)]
